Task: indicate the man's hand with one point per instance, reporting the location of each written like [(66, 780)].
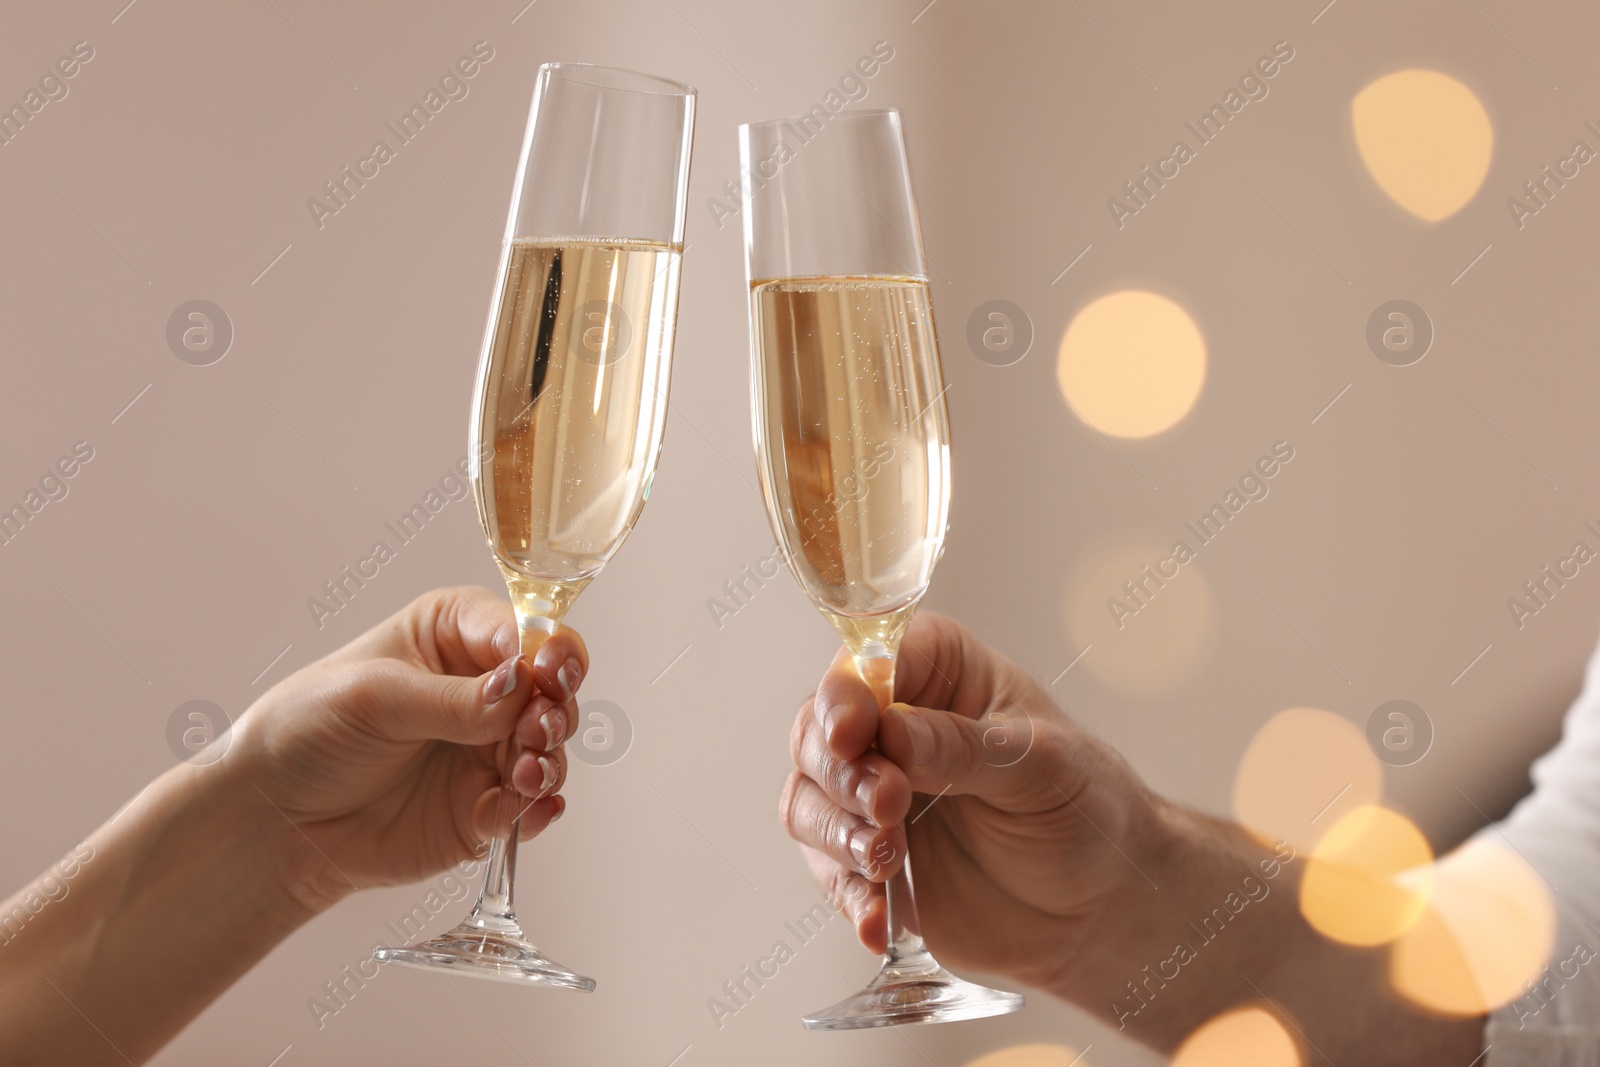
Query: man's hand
[(1014, 813)]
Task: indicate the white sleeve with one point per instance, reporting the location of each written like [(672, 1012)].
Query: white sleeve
[(1556, 828)]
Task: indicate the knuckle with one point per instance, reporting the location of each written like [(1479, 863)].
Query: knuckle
[(967, 738), (843, 778), (361, 689), (1049, 753), (834, 827), (449, 693), (430, 605), (809, 817)]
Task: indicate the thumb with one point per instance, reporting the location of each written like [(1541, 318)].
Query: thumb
[(403, 703), (1002, 757)]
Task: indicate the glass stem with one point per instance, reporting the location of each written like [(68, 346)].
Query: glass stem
[(875, 663), (494, 908), (494, 905)]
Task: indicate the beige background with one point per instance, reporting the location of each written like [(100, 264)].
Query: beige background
[(179, 166)]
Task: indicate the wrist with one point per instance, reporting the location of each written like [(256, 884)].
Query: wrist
[(1154, 962), (256, 853)]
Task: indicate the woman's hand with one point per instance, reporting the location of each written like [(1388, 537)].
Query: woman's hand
[(1015, 815), (375, 765), (386, 755)]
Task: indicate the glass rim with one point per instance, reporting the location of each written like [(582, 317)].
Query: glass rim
[(854, 116), (617, 78)]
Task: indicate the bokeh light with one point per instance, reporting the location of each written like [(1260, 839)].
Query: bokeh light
[(1156, 643), (1132, 364), (1304, 770), (1486, 933), (1031, 1056), (1351, 891), (1426, 140), (1245, 1037)]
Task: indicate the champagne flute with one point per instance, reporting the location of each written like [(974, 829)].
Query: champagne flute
[(571, 399), (853, 441)]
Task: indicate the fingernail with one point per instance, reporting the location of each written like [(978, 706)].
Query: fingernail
[(501, 682), (547, 768), (921, 733), (867, 792), (551, 722), (861, 845), (828, 716), (561, 809), (570, 675)]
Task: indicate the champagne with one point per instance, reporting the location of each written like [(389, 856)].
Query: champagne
[(573, 402), (853, 443)]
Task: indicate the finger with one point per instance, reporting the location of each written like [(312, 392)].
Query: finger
[(470, 630), (459, 631), (849, 840), (545, 724), (1007, 758), (861, 902), (942, 664), (536, 817), (845, 709), (466, 794), (540, 815), (560, 664), (870, 785), (402, 702), (539, 774), (473, 623)]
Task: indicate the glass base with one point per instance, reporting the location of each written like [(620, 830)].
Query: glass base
[(497, 951), (914, 990)]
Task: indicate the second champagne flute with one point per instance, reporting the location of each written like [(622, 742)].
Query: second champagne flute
[(571, 401), (853, 442)]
